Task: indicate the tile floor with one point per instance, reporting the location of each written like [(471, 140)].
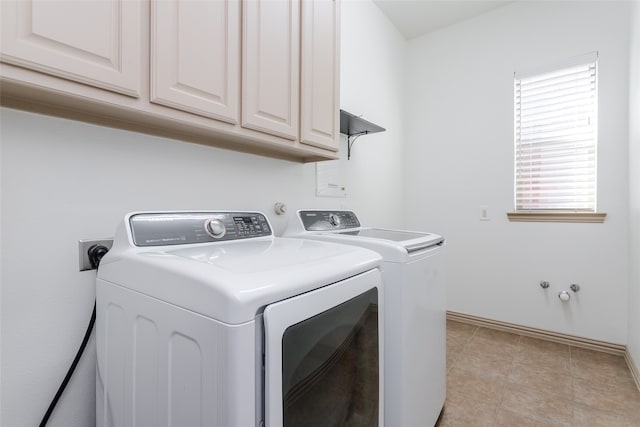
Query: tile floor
[(496, 378)]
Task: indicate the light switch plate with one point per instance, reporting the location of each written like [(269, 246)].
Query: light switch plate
[(484, 213)]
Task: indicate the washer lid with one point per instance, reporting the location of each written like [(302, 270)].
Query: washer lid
[(394, 245), (394, 235), (342, 226), (388, 241)]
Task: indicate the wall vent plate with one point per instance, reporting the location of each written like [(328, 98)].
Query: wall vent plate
[(83, 248)]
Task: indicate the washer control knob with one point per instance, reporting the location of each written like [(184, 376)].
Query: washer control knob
[(334, 220), (215, 228)]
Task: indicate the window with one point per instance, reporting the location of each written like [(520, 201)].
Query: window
[(556, 131)]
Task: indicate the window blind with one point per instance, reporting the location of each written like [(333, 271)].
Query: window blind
[(556, 139)]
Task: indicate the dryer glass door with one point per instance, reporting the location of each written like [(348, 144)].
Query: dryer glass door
[(322, 366)]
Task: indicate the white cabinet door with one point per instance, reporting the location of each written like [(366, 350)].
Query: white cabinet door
[(270, 67), (97, 42), (320, 74), (195, 57)]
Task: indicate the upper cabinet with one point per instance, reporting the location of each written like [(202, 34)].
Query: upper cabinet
[(97, 43), (271, 67), (195, 56), (260, 76), (320, 74)]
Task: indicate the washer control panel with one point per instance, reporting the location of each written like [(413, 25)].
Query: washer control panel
[(162, 228), (328, 220)]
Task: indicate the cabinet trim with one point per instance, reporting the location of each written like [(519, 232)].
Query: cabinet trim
[(43, 94)]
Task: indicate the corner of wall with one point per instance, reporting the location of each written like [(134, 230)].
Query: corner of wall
[(633, 338)]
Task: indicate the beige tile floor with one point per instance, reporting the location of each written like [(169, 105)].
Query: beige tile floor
[(496, 378)]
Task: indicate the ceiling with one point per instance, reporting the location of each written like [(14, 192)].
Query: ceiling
[(414, 18)]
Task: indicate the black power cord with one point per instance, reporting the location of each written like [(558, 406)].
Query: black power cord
[(96, 252)]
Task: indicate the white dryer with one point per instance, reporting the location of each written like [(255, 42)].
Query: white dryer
[(207, 319), (414, 310)]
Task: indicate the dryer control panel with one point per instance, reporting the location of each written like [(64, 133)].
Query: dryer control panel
[(328, 220), (182, 228)]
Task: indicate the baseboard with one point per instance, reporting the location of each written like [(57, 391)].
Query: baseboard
[(633, 367), (606, 347)]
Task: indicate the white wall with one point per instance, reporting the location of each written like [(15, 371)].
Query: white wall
[(633, 340), (459, 156), (372, 72), (62, 181)]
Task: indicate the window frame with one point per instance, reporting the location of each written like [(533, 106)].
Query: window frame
[(556, 73)]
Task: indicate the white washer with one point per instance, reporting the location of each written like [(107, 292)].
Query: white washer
[(414, 313), (207, 319)]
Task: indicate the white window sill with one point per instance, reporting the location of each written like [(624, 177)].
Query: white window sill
[(556, 217)]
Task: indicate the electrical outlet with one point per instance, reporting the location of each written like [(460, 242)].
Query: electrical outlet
[(484, 213), (83, 249)]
